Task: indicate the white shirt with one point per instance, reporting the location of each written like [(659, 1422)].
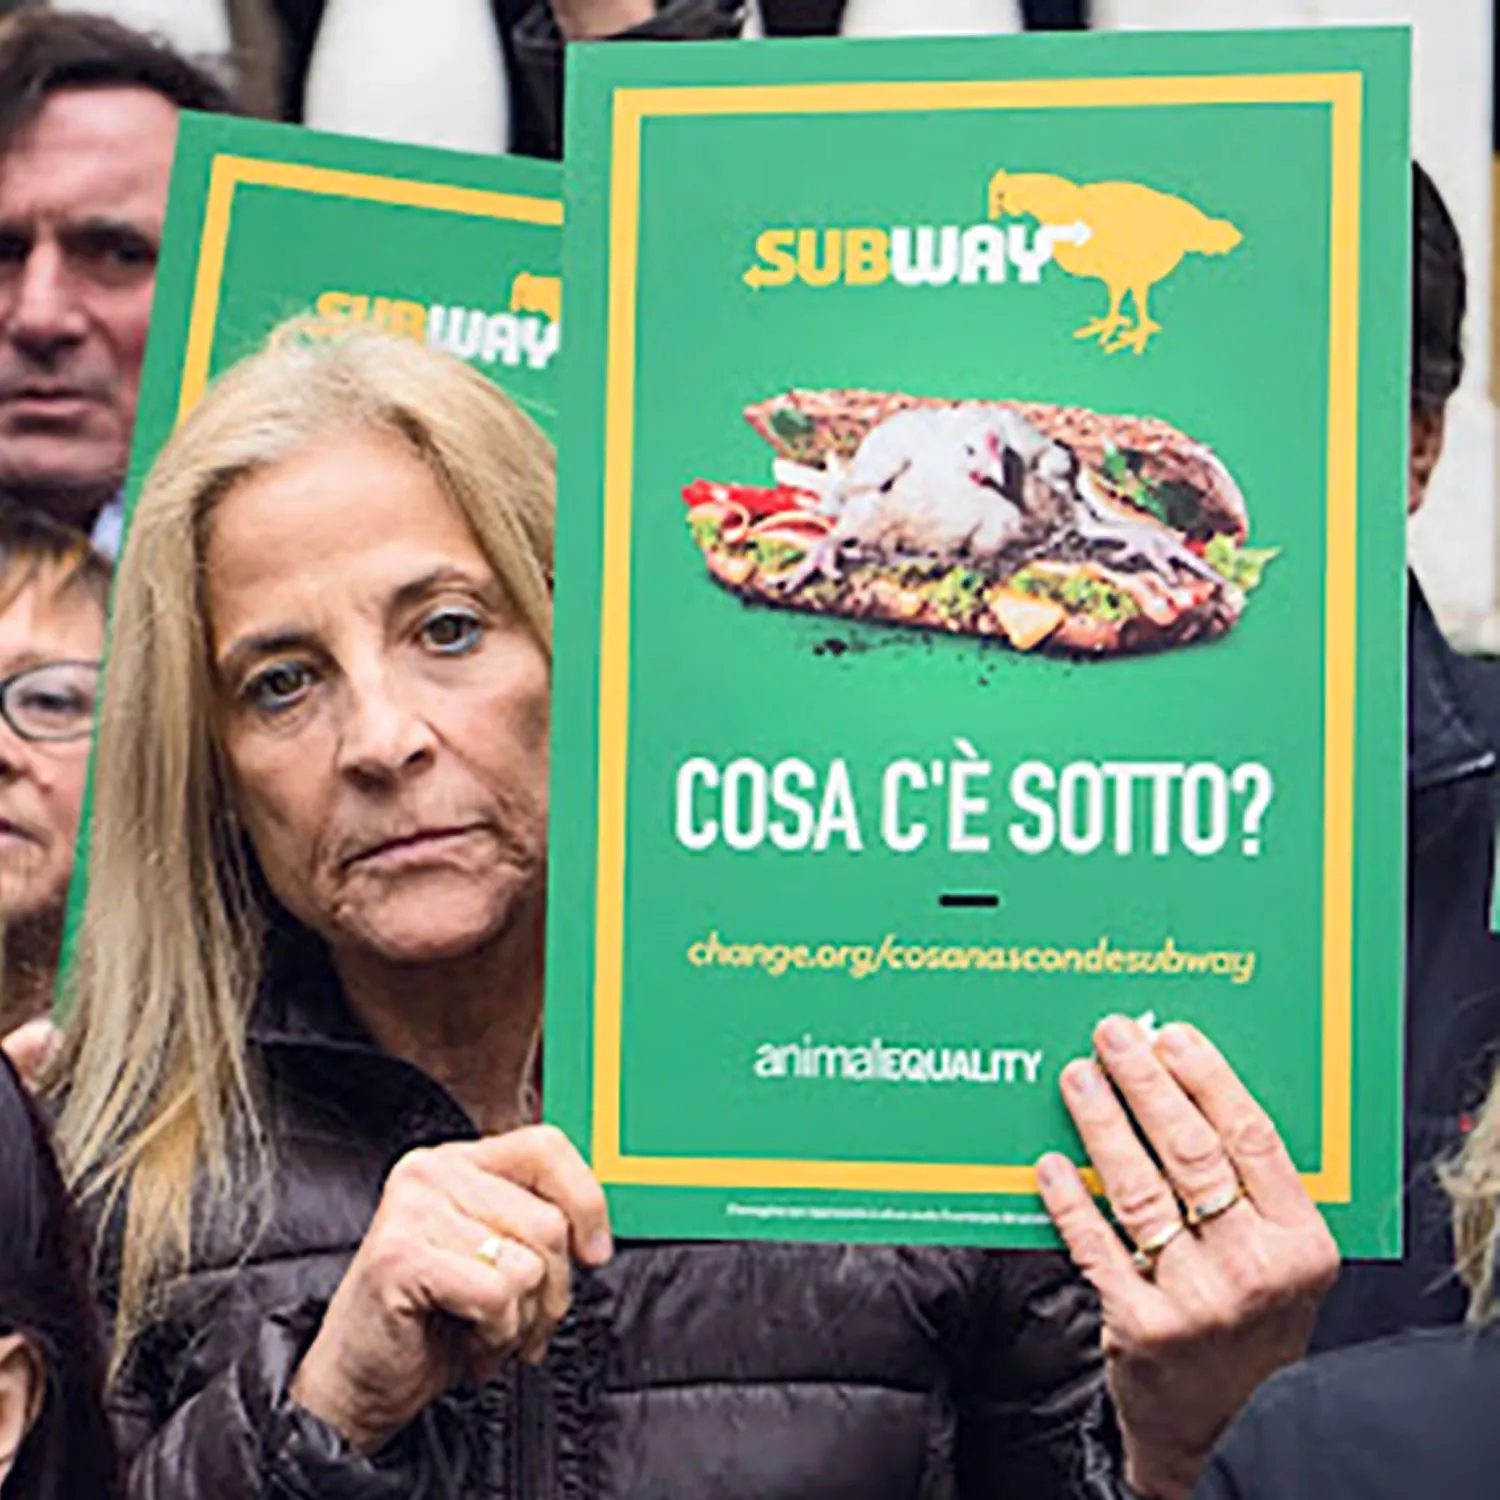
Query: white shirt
[(108, 528)]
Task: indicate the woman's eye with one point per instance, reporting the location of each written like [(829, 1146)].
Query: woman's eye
[(57, 704), (452, 632), (278, 687)]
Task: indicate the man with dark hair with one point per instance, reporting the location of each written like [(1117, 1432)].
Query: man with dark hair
[(88, 123), (1453, 956)]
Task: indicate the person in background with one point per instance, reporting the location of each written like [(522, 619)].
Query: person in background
[(331, 63), (327, 49), (1453, 954), (299, 1088), (1410, 1415), (53, 590), (537, 31), (88, 123), (55, 1440)]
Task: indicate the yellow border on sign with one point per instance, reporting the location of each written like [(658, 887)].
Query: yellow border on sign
[(1343, 92), (231, 172)]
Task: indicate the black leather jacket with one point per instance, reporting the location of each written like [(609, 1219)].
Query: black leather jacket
[(741, 1371)]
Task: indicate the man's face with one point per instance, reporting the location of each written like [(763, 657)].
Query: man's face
[(83, 190)]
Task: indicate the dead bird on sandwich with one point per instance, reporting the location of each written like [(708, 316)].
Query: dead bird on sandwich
[(1044, 528)]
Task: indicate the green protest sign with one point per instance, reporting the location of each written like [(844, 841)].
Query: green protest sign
[(980, 610), (269, 222)]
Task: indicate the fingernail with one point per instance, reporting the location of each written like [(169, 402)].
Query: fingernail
[(1117, 1034), (1082, 1077), (1052, 1170), (599, 1247), (1177, 1040)]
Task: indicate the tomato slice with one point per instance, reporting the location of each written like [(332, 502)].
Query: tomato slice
[(758, 500)]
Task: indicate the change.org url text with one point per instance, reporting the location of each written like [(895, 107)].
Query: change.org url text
[(898, 955)]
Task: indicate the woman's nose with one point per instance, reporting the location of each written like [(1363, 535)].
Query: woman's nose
[(384, 733), (14, 752)]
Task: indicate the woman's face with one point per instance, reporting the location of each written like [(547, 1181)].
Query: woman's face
[(42, 782), (382, 706)]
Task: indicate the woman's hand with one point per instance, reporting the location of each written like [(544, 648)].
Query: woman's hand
[(1233, 1256), (466, 1264)]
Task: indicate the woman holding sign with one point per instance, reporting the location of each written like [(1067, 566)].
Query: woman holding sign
[(341, 1257)]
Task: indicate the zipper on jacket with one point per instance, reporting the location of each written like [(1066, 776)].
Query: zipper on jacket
[(531, 1453)]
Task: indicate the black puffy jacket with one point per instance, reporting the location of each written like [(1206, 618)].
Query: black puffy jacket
[(740, 1371)]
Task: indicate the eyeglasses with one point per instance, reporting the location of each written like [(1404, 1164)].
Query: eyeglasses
[(52, 702)]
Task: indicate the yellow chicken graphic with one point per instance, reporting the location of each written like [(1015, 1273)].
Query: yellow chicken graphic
[(530, 293), (1137, 236)]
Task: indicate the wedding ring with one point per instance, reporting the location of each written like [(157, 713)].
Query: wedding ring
[(492, 1249), (1149, 1251), (1215, 1205)]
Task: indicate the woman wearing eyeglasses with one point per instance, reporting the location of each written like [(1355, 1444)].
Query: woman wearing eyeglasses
[(53, 588)]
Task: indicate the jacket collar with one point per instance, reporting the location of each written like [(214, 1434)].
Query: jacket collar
[(301, 1003), (1444, 740), (313, 1042)]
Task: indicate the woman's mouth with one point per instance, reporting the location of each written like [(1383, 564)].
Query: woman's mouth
[(425, 846)]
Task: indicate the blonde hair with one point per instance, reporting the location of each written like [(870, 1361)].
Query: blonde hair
[(161, 1113), (1472, 1180)]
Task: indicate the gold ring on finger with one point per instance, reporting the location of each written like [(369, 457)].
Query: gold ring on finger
[(1214, 1205), (1149, 1250), (491, 1249)]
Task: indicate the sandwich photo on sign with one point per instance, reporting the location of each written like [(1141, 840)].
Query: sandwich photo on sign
[(1043, 528)]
